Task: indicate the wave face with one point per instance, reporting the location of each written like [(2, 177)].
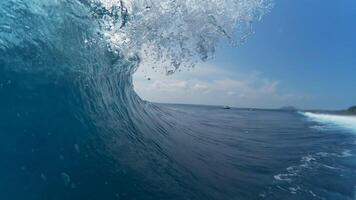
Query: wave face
[(333, 121), (71, 123)]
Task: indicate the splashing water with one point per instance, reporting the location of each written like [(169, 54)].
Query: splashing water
[(72, 126), (66, 84), (98, 44), (174, 33), (334, 121)]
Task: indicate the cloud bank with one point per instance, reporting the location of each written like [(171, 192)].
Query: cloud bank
[(212, 85)]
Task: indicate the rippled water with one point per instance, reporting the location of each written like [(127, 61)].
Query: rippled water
[(203, 153), (72, 127)]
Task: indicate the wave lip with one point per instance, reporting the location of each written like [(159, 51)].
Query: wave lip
[(332, 120)]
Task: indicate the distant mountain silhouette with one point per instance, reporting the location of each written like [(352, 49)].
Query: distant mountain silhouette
[(352, 110)]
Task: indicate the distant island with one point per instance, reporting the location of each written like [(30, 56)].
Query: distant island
[(352, 110), (289, 108)]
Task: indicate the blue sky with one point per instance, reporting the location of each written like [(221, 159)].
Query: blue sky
[(302, 53)]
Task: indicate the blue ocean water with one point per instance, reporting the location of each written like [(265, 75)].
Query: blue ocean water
[(202, 152), (72, 126)]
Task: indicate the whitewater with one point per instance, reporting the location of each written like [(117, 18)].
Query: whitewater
[(334, 120), (72, 126)]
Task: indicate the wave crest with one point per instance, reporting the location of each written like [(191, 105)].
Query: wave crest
[(332, 121), (176, 33)]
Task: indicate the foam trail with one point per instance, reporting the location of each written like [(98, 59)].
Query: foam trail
[(339, 121)]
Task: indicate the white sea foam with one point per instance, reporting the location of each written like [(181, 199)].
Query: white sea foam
[(294, 190), (333, 121), (307, 159), (282, 177), (308, 162), (289, 179)]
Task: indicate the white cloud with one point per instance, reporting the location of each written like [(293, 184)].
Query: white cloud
[(209, 84), (169, 85)]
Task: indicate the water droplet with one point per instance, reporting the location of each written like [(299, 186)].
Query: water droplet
[(43, 177), (76, 147), (66, 178)]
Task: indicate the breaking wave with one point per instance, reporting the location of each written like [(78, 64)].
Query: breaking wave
[(333, 121), (66, 71)]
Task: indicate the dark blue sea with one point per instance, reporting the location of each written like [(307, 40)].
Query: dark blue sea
[(72, 126), (199, 152)]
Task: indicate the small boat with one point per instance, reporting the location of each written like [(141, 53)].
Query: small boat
[(227, 107)]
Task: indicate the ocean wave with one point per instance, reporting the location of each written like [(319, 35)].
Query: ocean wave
[(332, 121), (66, 71), (97, 45), (172, 34)]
